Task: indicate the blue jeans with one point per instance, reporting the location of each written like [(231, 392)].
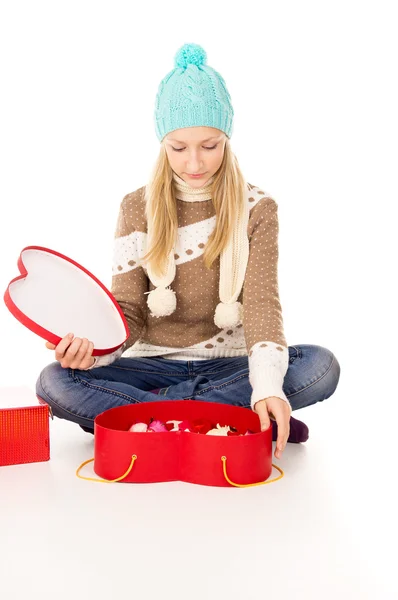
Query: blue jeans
[(79, 396)]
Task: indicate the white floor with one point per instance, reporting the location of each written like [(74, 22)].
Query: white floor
[(321, 532)]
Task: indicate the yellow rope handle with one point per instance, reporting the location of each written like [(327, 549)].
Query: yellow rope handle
[(243, 485), (133, 459)]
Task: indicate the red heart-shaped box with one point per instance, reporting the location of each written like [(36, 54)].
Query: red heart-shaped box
[(181, 455), (55, 295)]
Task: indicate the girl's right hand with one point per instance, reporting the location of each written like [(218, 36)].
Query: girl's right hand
[(76, 354)]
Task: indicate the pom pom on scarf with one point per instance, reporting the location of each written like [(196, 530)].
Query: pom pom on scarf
[(162, 301), (228, 315)]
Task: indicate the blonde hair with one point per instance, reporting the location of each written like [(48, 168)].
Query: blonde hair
[(228, 197)]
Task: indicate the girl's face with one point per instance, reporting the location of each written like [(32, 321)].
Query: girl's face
[(194, 150)]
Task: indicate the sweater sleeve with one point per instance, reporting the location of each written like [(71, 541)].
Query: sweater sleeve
[(129, 283), (262, 313)]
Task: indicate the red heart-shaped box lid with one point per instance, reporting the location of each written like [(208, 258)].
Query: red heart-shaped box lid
[(55, 295)]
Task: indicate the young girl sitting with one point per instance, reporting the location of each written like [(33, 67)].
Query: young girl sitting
[(196, 275)]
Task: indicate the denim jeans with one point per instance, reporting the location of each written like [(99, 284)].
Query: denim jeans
[(79, 396)]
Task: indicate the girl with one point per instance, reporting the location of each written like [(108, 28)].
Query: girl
[(196, 275)]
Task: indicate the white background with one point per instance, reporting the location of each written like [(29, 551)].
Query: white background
[(313, 86)]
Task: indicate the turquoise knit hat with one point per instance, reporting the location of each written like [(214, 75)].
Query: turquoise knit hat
[(192, 95)]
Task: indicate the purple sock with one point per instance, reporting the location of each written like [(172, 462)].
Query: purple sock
[(155, 391), (298, 431)]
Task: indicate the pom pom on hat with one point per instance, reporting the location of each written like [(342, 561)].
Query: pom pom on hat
[(162, 301), (190, 54), (228, 315)]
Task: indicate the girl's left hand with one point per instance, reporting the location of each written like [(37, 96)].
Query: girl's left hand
[(281, 411), (73, 353)]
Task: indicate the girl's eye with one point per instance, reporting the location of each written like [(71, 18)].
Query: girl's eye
[(181, 149)]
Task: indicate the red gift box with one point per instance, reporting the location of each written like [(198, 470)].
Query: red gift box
[(141, 457), (24, 434)]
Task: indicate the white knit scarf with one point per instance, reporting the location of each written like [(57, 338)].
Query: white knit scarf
[(233, 262)]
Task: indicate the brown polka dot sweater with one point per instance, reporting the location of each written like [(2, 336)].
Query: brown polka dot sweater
[(190, 333)]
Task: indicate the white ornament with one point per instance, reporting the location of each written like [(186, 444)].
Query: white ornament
[(219, 430), (139, 427), (175, 425)]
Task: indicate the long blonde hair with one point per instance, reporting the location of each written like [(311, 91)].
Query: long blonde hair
[(228, 197)]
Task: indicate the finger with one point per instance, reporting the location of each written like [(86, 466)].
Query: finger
[(62, 346), (282, 429), (87, 359), (283, 426), (261, 409), (80, 354), (50, 346), (71, 352)]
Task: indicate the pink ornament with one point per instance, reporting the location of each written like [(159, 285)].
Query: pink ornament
[(157, 426)]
